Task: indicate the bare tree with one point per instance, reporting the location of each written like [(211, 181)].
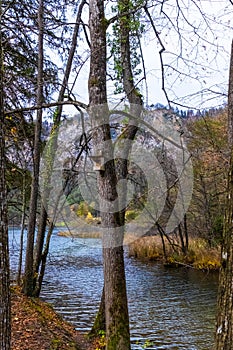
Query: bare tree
[(29, 278), (40, 254), (224, 331)]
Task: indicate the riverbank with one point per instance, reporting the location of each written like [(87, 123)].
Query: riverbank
[(35, 325), (74, 281), (199, 254)]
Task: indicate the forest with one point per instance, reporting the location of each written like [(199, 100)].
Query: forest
[(116, 145)]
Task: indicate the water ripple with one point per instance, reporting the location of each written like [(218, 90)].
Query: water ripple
[(170, 309)]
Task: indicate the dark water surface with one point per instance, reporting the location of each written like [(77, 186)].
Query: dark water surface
[(169, 308)]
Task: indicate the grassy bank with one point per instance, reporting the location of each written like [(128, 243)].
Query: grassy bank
[(76, 234), (199, 254)]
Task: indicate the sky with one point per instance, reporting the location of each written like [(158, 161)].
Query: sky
[(208, 56), (196, 68)]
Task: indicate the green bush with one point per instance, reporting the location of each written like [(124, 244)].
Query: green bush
[(130, 215)]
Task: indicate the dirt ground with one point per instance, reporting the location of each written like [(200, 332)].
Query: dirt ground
[(36, 326)]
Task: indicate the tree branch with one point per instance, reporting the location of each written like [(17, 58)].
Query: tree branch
[(160, 53), (47, 105), (125, 13)]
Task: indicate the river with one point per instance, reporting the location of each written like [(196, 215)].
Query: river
[(169, 308)]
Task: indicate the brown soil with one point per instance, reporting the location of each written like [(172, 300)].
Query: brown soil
[(36, 326)]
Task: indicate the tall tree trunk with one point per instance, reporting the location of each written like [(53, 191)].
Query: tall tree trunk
[(116, 308), (5, 322), (43, 259), (40, 255), (224, 331), (134, 98), (129, 132), (22, 227), (28, 286)]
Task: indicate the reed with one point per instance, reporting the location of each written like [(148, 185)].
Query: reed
[(75, 234), (199, 254)]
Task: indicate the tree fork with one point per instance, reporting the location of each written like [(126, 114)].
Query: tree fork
[(116, 309)]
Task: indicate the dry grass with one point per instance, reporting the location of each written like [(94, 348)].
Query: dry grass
[(202, 256), (199, 254), (145, 247), (75, 234)]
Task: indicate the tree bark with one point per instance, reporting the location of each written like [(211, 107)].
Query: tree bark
[(134, 98), (100, 322), (224, 329), (116, 308), (5, 320), (230, 101), (28, 286), (22, 227)]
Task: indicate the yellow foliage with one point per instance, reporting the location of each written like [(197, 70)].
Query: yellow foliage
[(89, 217), (14, 130), (82, 209)]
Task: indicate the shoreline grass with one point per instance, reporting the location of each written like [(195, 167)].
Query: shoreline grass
[(199, 255)]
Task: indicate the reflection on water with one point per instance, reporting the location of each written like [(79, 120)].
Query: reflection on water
[(169, 308)]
